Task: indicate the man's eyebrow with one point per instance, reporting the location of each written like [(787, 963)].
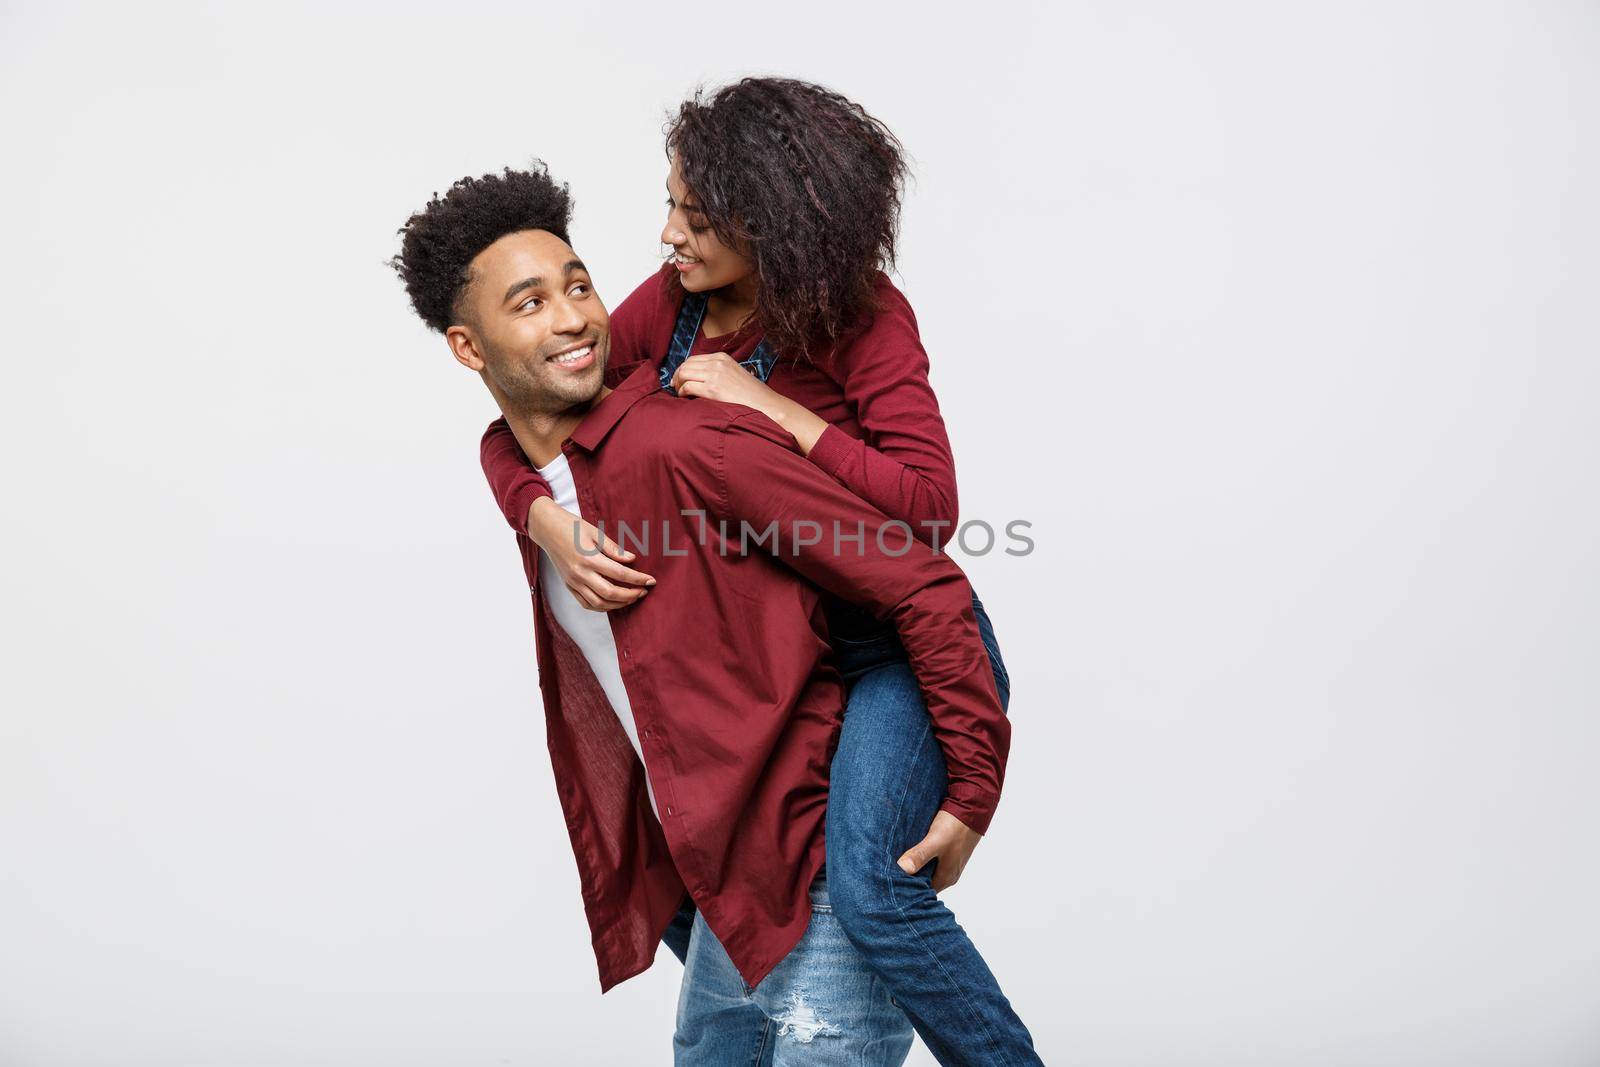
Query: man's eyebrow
[(526, 283), (570, 267)]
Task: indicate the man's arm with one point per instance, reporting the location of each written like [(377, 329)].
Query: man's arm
[(766, 480), (512, 479), (592, 565)]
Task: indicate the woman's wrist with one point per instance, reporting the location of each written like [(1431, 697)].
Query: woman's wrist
[(801, 423)]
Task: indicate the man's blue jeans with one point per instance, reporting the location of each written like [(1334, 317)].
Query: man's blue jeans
[(888, 780), (821, 1005)]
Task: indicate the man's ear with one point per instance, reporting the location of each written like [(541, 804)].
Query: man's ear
[(464, 348)]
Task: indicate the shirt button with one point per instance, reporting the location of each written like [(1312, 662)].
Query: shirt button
[(669, 809)]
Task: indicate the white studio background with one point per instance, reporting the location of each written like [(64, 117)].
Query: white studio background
[(1277, 321)]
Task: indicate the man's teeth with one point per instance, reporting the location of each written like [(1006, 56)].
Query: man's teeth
[(573, 356)]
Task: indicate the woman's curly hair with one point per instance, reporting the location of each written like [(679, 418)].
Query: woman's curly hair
[(440, 241), (807, 185)]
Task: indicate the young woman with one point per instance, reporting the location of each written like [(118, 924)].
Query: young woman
[(783, 205)]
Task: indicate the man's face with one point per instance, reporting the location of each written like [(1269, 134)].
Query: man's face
[(533, 325)]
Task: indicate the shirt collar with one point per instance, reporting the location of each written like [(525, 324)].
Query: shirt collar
[(606, 414)]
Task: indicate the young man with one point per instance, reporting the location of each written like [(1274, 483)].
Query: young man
[(691, 733)]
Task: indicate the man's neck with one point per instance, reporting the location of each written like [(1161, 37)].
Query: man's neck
[(540, 433)]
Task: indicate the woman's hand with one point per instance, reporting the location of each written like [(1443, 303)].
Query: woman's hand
[(592, 566), (950, 841), (717, 376)]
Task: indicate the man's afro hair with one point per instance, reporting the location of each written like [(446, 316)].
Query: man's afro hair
[(440, 241)]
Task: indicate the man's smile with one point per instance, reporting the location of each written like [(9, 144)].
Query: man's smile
[(577, 357)]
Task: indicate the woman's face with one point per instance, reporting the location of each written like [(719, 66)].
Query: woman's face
[(704, 263)]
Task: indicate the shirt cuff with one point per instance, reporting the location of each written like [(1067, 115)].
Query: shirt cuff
[(831, 449), (974, 811), (522, 500)]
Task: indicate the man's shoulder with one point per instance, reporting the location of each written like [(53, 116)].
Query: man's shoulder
[(697, 429)]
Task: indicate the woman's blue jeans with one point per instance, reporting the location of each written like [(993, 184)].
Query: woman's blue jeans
[(888, 780)]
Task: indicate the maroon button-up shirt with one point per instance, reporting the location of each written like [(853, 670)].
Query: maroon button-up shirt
[(726, 665)]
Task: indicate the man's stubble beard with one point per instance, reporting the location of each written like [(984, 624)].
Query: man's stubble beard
[(535, 388)]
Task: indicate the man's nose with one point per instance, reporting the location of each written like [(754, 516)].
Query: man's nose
[(568, 318)]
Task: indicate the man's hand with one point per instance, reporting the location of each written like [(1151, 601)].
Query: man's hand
[(592, 566), (950, 841)]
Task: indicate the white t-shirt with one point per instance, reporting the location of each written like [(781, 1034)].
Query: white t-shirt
[(590, 630)]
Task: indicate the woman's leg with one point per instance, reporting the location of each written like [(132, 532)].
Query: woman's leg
[(888, 780)]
